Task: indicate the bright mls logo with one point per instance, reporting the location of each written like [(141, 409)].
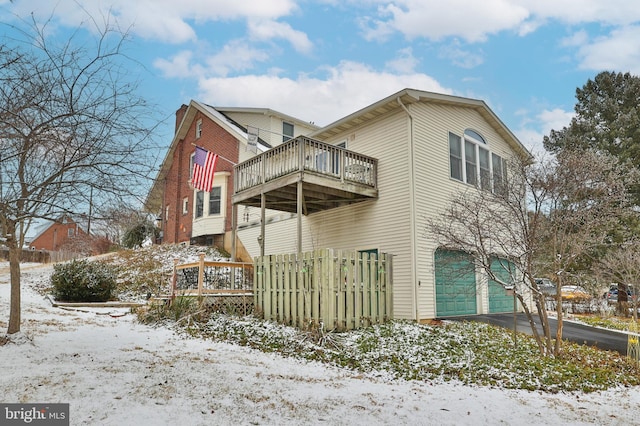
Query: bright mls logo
[(34, 414)]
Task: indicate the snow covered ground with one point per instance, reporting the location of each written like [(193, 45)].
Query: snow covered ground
[(114, 371)]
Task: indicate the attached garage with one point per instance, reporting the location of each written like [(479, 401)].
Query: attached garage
[(455, 279)]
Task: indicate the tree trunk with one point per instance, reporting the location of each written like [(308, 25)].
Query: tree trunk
[(14, 267)]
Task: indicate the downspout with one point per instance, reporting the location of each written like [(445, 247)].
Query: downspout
[(412, 213)]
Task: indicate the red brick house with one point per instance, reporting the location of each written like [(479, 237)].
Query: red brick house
[(62, 233), (189, 216)]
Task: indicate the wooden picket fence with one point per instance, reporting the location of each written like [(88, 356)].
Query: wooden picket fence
[(334, 289)]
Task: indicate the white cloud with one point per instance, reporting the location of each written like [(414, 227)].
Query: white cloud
[(474, 21), (268, 30), (342, 90), (178, 66), (616, 52), (404, 63), (612, 12), (237, 55), (461, 57), (470, 20), (532, 131), (168, 21), (578, 38)]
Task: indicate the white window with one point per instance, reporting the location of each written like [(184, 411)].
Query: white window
[(199, 204), (198, 128), (470, 162), (485, 169), (185, 205), (70, 232), (455, 156), (287, 131), (215, 200), (166, 213), (499, 173), (481, 167)]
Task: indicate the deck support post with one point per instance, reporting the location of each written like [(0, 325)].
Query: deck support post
[(299, 213), (263, 203)]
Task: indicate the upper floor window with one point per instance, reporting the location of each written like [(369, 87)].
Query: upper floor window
[(198, 128), (185, 205), (481, 167), (70, 232), (455, 156), (287, 131)]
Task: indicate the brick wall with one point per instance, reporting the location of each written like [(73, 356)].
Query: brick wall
[(177, 227), (56, 236)]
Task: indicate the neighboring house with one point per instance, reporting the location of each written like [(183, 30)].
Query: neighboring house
[(189, 216), (60, 234), (425, 147)]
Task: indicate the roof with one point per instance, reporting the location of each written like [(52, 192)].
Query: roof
[(410, 96), (216, 114), (42, 227), (268, 112)]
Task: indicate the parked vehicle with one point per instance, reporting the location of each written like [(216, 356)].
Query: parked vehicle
[(612, 294), (546, 286), (574, 293)]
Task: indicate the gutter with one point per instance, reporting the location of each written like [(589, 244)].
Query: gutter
[(412, 213)]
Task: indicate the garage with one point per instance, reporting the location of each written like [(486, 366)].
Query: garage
[(499, 300), (455, 281)]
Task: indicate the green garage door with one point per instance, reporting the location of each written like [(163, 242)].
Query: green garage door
[(455, 284), (499, 300)]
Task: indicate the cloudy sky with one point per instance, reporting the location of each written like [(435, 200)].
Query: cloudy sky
[(321, 60)]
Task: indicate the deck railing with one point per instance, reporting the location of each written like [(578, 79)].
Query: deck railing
[(305, 154), (212, 278)]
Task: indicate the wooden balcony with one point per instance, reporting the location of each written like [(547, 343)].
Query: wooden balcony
[(329, 177)]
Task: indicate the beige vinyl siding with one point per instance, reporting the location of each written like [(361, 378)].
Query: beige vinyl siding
[(270, 125), (383, 224), (434, 188)]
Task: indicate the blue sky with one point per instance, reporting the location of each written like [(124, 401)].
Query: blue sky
[(322, 60)]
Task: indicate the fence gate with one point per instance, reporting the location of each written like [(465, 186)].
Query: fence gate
[(340, 289)]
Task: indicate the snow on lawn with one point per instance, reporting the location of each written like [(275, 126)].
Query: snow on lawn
[(115, 371)]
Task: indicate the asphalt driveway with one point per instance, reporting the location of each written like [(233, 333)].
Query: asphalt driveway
[(610, 340)]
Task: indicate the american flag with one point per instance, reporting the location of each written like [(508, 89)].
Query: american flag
[(204, 164)]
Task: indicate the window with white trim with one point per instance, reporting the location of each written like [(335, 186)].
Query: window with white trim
[(481, 167), (287, 131), (499, 173), (215, 200), (185, 205), (471, 170), (455, 156), (198, 128), (199, 204)]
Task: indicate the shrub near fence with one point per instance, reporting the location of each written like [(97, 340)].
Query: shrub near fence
[(342, 289)]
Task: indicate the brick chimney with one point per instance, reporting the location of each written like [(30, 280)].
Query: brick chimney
[(180, 115)]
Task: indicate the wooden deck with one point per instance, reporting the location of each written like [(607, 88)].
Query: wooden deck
[(330, 177)]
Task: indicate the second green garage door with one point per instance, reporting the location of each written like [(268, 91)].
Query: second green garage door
[(455, 284)]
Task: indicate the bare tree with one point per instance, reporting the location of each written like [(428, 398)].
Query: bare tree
[(621, 265), (71, 125), (542, 221)]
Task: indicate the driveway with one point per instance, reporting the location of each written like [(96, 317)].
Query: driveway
[(610, 340)]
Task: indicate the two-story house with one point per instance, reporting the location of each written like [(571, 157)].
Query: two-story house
[(416, 149), (63, 233)]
